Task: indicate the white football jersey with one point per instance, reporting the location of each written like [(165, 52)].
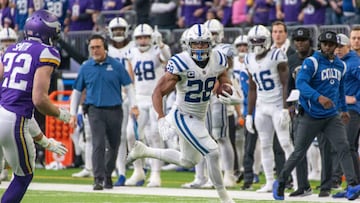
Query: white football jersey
[(147, 69), (265, 74), (193, 90), (238, 67), (121, 53)]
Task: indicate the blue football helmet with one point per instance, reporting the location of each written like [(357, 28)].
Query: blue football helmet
[(42, 25)]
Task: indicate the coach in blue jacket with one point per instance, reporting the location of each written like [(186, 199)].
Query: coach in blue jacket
[(322, 95)]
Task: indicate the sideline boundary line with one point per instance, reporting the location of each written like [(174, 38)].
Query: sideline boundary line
[(236, 194)]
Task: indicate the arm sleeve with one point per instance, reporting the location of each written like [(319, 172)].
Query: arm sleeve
[(74, 102), (303, 81), (72, 51), (34, 128), (130, 92), (162, 7), (165, 53)]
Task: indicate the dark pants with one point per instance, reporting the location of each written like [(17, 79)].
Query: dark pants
[(105, 124), (250, 145), (352, 132), (326, 162), (232, 136), (302, 167), (279, 155), (333, 130)]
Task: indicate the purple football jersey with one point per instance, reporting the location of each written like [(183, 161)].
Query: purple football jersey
[(291, 9), (189, 7), (77, 8), (261, 14), (314, 16), (20, 63)]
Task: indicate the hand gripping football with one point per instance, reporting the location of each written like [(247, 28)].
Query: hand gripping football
[(224, 87)]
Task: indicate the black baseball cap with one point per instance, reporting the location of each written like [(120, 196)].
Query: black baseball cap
[(328, 36), (301, 33)]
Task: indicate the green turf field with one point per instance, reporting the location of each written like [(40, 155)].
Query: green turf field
[(170, 179)]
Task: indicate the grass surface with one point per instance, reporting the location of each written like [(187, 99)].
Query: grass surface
[(170, 179)]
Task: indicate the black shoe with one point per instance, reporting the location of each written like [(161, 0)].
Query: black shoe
[(108, 183), (98, 186), (246, 186), (301, 192), (324, 193), (289, 185), (239, 177)]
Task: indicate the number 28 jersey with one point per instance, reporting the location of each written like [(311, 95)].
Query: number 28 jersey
[(20, 63), (193, 90), (265, 74)]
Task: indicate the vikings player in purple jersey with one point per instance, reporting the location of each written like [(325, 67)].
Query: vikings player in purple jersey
[(26, 70)]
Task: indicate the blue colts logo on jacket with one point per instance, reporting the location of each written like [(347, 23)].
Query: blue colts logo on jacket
[(331, 74)]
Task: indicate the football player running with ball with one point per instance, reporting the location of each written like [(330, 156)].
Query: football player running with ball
[(193, 74)]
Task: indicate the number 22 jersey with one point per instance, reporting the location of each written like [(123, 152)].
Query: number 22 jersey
[(20, 63)]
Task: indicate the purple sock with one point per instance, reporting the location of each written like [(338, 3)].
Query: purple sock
[(17, 188)]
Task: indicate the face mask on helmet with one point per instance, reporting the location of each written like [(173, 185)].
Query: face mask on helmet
[(216, 29), (259, 39), (42, 26), (118, 29), (199, 42), (241, 44), (7, 37), (143, 43)]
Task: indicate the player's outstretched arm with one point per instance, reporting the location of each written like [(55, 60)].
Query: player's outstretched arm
[(165, 85), (39, 137)]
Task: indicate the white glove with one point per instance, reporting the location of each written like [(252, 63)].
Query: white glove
[(64, 115), (157, 38), (56, 147), (284, 118), (165, 129), (233, 99), (249, 124), (52, 145)]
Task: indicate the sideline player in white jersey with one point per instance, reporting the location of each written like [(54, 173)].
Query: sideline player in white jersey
[(193, 73), (118, 48), (147, 66), (268, 72), (251, 148)]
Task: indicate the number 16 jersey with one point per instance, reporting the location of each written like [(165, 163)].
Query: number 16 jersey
[(265, 74)]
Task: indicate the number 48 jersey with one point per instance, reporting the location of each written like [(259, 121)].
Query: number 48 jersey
[(265, 74), (193, 90), (20, 63), (147, 69)]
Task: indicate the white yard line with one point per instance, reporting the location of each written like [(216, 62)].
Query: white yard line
[(245, 195)]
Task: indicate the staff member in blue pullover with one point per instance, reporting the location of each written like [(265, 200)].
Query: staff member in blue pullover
[(103, 77), (352, 95), (321, 85)]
